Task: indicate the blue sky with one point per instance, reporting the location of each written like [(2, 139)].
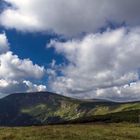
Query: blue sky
[(32, 46), (87, 49)]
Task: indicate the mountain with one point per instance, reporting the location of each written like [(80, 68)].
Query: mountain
[(43, 108)]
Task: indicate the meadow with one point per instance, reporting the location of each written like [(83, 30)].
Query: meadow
[(114, 131)]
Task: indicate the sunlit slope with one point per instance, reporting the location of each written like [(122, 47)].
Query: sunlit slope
[(48, 108)]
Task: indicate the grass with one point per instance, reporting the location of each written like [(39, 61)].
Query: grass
[(121, 131), (68, 111)]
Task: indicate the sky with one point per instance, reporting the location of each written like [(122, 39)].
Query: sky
[(80, 48)]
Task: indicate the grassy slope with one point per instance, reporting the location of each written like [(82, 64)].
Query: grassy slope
[(44, 108), (79, 111), (73, 132)]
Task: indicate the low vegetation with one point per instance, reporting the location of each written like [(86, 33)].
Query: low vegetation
[(113, 131)]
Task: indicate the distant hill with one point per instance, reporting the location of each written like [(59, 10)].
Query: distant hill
[(43, 108)]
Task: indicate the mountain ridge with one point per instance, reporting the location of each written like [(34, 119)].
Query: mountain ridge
[(42, 108)]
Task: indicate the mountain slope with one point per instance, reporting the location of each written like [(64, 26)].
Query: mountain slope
[(47, 108)]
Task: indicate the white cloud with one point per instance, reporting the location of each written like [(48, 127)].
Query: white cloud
[(15, 73), (69, 17), (12, 86), (100, 64), (3, 43), (14, 68), (33, 87), (127, 92)]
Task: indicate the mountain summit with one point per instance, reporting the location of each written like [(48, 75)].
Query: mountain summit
[(43, 108)]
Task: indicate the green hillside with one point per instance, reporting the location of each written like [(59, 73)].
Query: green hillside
[(119, 131), (47, 108)]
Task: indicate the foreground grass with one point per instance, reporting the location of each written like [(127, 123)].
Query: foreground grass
[(73, 132)]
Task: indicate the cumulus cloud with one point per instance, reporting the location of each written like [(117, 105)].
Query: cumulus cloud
[(14, 68), (3, 43), (126, 92), (12, 86), (68, 17), (100, 65), (34, 87), (15, 73)]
